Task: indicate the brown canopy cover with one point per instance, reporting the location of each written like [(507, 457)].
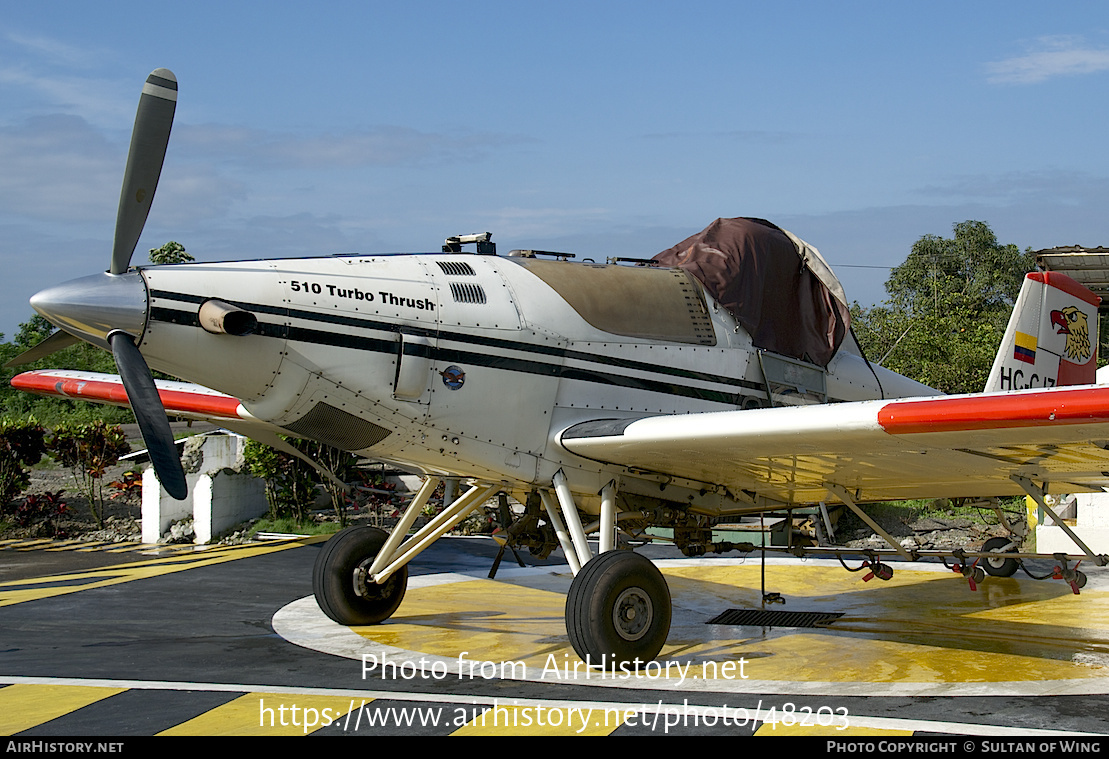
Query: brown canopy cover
[(773, 283)]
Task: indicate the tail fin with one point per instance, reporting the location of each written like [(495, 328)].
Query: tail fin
[(1052, 336)]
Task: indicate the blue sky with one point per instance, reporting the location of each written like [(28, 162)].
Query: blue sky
[(601, 128)]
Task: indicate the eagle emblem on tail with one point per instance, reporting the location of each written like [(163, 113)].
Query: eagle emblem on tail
[(1073, 323)]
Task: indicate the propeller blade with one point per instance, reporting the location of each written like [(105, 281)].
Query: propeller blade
[(57, 341), (153, 122), (149, 413)]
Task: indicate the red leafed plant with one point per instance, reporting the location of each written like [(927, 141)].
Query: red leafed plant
[(42, 508)]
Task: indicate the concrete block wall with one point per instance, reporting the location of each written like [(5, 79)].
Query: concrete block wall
[(220, 495), (1092, 526)]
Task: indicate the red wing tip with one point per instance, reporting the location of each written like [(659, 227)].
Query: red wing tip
[(108, 388), (1088, 405)]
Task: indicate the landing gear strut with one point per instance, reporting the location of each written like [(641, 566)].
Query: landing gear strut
[(341, 584), (618, 610)]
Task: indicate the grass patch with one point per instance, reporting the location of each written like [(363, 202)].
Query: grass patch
[(290, 526), (898, 517), (1013, 508), (946, 509)]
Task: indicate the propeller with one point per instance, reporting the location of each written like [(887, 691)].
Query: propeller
[(110, 309), (149, 140), (52, 344), (85, 308)]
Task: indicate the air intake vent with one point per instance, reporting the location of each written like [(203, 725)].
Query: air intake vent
[(456, 268), (464, 292), (763, 618), (338, 428)]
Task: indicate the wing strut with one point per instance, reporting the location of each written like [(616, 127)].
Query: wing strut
[(841, 493), (1038, 495)]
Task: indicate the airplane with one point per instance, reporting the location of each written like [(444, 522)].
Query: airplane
[(717, 380)]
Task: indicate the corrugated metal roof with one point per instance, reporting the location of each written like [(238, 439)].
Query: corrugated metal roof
[(1090, 266)]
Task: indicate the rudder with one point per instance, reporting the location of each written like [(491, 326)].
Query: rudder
[(1051, 338)]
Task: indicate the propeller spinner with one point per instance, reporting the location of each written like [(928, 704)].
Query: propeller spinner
[(109, 309)]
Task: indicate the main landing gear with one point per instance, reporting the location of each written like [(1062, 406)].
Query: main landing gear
[(341, 584), (361, 573), (618, 610)]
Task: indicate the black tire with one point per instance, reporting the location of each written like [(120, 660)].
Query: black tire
[(999, 567), (333, 579), (618, 610)]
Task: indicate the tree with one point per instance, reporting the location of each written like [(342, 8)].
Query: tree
[(972, 270), (951, 350), (170, 253), (49, 411), (948, 306), (290, 483), (33, 331)]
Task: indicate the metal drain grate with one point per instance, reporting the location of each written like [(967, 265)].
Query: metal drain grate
[(763, 618)]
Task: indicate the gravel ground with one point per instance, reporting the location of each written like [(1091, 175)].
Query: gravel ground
[(933, 530), (120, 516)]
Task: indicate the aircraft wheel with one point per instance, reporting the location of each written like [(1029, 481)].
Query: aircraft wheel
[(333, 579), (618, 608), (999, 567)]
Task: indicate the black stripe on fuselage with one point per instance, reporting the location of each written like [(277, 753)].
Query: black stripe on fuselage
[(456, 355)]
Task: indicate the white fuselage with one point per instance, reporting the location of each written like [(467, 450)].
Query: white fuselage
[(467, 365)]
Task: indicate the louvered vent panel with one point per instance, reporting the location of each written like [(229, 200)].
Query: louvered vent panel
[(338, 428), (456, 268), (465, 292)]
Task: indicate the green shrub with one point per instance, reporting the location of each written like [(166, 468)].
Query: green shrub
[(88, 450), (22, 445), (291, 483)]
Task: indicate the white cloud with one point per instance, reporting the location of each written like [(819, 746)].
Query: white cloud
[(753, 136), (1061, 55), (40, 74), (55, 51), (60, 170)]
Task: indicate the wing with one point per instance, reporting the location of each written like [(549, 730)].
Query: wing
[(181, 399), (951, 446)]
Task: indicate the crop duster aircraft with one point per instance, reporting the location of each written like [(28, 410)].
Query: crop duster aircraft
[(719, 379)]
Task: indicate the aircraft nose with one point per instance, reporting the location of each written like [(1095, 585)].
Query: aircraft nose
[(91, 307)]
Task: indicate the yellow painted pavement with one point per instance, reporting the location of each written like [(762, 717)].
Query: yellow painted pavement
[(25, 706), (920, 627), (278, 714), (20, 591)]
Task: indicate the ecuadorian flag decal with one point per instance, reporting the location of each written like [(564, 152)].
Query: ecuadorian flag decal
[(1024, 348)]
